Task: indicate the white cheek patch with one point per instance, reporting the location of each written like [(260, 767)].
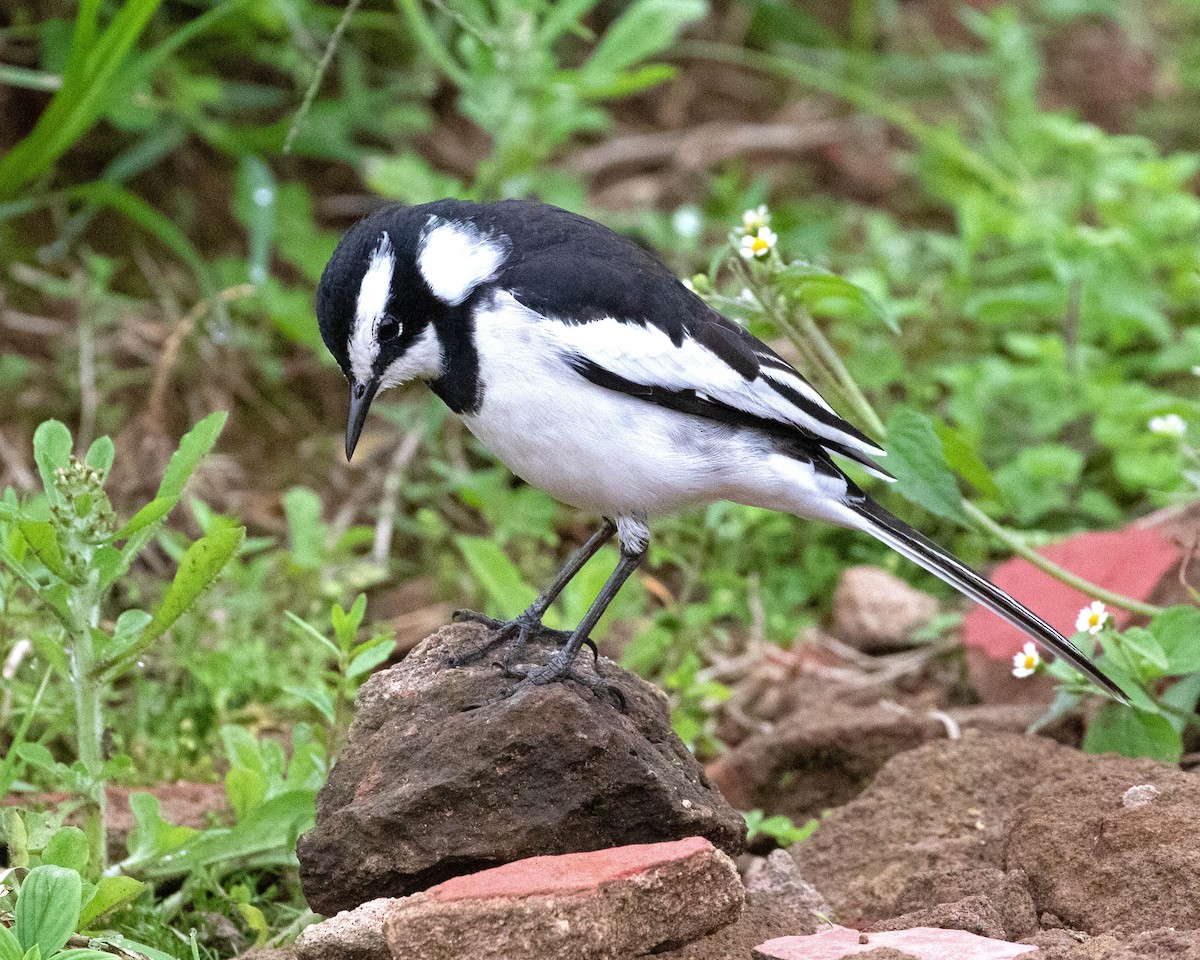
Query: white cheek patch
[(455, 258), (422, 360), (369, 307)]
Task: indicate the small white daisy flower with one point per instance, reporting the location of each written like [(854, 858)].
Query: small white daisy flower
[(1169, 425), (758, 244), (1026, 662), (754, 220), (1092, 618)]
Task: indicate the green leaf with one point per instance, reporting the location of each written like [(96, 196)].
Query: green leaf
[(110, 893), (10, 946), (345, 625), (306, 532), (47, 911), (246, 789), (51, 451), (1146, 645), (67, 848), (647, 27), (916, 459), (194, 447), (370, 656), (318, 698), (825, 293), (500, 580), (100, 455), (199, 567), (152, 512), (309, 630), (152, 837), (42, 538), (127, 632), (963, 459), (1133, 733), (1178, 631)]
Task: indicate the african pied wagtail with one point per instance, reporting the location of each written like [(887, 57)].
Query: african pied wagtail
[(584, 364)]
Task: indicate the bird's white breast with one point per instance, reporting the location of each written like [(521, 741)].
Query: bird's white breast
[(605, 451)]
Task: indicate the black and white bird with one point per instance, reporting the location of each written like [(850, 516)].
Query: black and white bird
[(590, 371)]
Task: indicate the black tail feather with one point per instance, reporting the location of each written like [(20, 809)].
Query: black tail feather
[(925, 553)]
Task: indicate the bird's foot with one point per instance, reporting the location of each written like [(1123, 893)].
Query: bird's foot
[(561, 668), (516, 632)]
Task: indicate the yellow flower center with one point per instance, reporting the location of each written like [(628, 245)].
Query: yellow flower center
[(1093, 619), (1030, 661), (759, 246)]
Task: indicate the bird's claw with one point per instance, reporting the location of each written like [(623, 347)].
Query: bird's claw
[(560, 669)]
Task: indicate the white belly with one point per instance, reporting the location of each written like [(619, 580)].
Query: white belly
[(613, 454)]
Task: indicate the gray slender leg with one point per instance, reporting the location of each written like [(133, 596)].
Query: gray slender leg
[(560, 664), (530, 622)]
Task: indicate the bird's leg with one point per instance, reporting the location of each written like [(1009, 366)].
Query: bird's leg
[(560, 665), (530, 622)]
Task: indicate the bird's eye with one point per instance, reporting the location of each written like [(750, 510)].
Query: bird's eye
[(389, 328)]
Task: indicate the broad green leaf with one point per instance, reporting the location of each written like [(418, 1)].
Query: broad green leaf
[(43, 540), (825, 293), (152, 512), (1133, 733), (916, 459), (255, 204), (1182, 696), (371, 656), (51, 451), (630, 81), (48, 908), (1178, 631), (110, 563), (125, 635), (1146, 645), (67, 848), (246, 789), (110, 893), (200, 566), (152, 837), (10, 946), (647, 27), (963, 459), (100, 455), (496, 575), (306, 532), (194, 447)]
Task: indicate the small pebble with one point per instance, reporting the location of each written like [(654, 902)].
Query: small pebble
[(1139, 796)]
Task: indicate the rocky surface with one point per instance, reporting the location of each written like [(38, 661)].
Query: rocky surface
[(924, 943), (992, 832), (448, 771), (351, 935), (1148, 945), (603, 905), (825, 753), (875, 611)]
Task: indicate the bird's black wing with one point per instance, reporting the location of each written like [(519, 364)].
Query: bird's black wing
[(625, 322)]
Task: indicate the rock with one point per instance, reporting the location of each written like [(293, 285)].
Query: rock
[(774, 882), (874, 610), (602, 905), (925, 943), (735, 941), (825, 754), (1103, 865), (1150, 945), (443, 775), (350, 935), (1132, 561), (974, 914), (932, 828)]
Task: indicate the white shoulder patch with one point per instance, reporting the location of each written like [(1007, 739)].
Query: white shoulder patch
[(369, 308), (455, 258)]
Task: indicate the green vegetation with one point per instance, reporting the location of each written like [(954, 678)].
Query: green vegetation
[(1006, 293)]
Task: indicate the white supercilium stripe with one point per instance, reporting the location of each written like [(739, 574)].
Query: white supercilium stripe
[(369, 308)]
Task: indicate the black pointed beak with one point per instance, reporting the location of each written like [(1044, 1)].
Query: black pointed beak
[(361, 395)]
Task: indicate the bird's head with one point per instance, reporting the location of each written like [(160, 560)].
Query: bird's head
[(391, 278)]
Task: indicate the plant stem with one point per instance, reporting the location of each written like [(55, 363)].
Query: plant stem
[(89, 726), (1010, 538), (1016, 543)]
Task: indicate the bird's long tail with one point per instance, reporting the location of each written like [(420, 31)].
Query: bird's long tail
[(925, 553)]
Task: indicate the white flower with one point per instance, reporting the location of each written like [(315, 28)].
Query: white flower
[(754, 220), (1092, 618), (758, 244), (1196, 370), (1026, 662), (1170, 425)]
